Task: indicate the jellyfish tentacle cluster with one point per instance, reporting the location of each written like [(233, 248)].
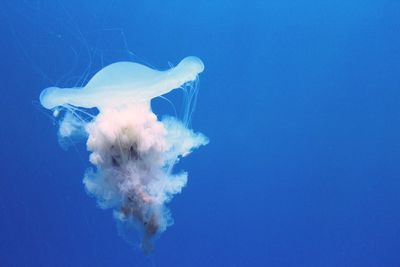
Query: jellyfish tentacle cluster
[(132, 151)]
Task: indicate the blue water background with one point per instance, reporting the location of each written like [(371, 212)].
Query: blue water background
[(300, 100)]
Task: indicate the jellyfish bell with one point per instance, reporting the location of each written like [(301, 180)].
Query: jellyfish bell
[(123, 82)]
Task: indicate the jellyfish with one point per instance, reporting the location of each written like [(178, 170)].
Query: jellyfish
[(132, 151)]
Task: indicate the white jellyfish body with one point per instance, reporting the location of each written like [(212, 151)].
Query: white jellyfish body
[(133, 152), (123, 83)]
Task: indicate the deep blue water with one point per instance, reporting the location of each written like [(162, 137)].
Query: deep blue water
[(300, 100)]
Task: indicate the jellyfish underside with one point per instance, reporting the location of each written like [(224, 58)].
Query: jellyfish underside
[(133, 152)]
